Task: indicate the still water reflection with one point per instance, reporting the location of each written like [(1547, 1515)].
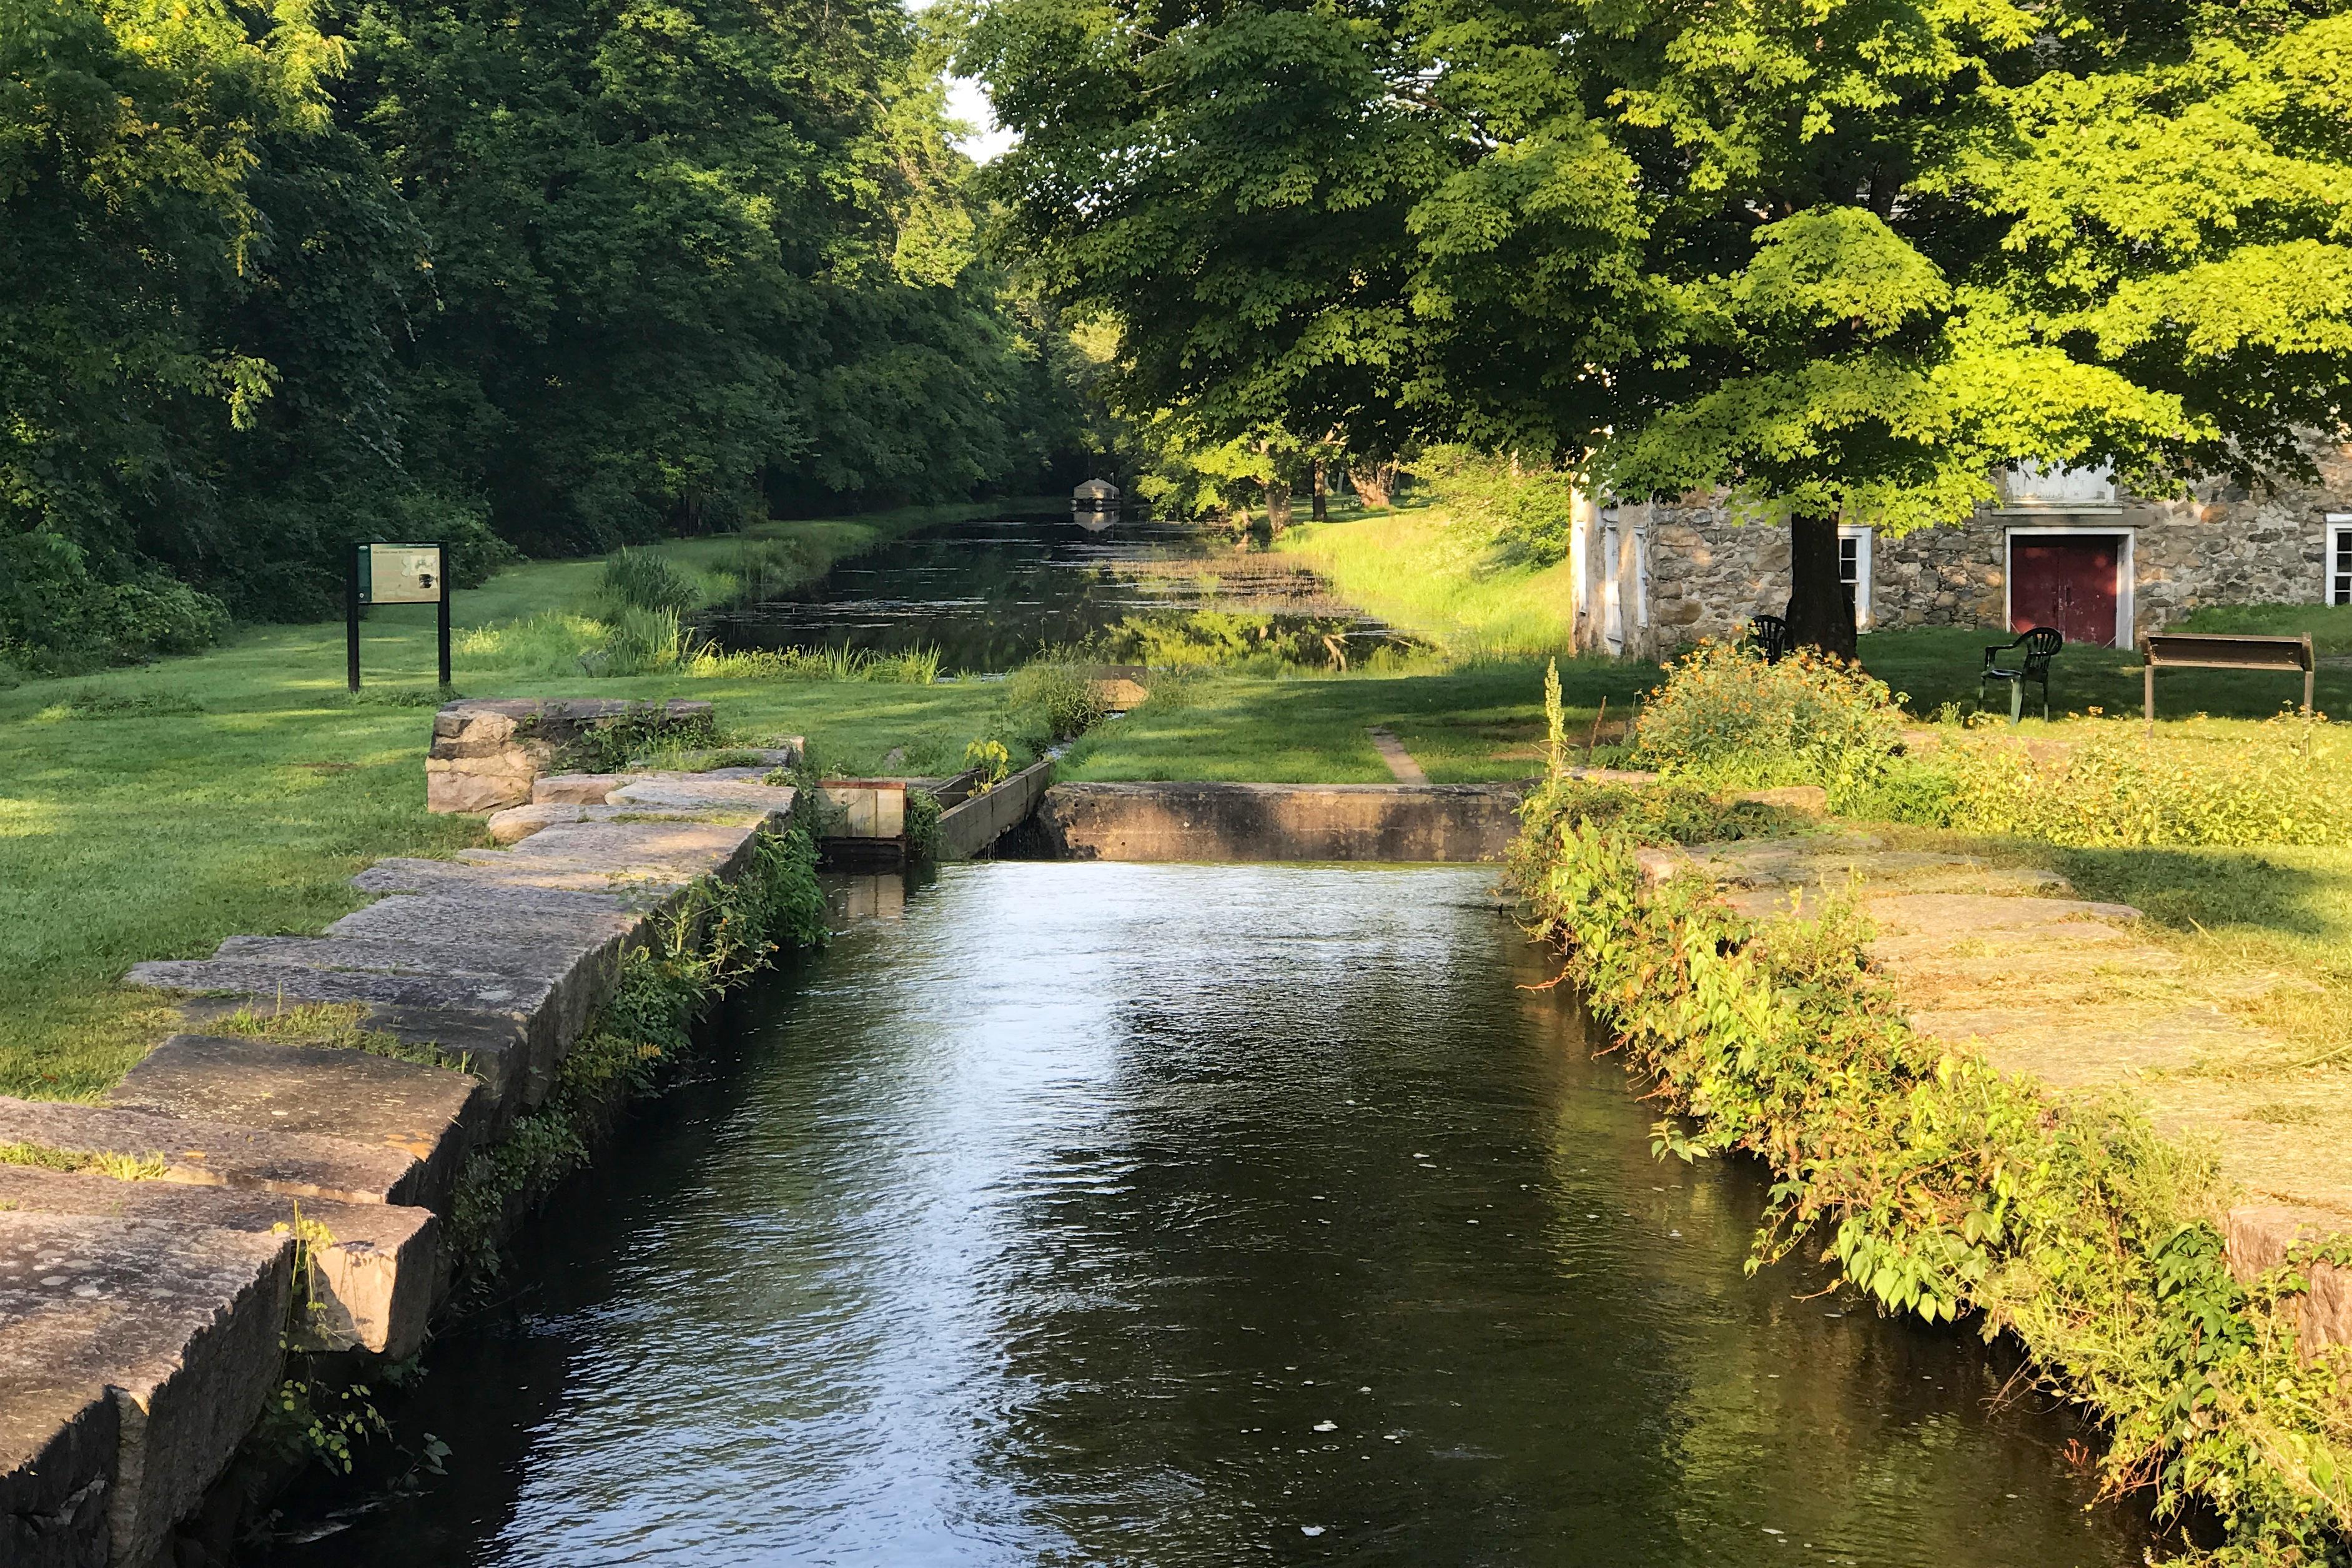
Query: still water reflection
[(1178, 1215), (989, 592)]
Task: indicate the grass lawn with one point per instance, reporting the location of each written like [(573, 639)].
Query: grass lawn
[(1934, 665), (1405, 568), (148, 813), (1479, 724)]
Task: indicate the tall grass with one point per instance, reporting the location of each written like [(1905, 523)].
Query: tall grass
[(916, 666), (640, 579)]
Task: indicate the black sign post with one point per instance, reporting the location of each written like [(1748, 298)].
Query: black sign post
[(395, 574)]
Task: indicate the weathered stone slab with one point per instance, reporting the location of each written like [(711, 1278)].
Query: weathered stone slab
[(177, 1327), (1279, 822), (58, 1448), (575, 788), (694, 847), (517, 823), (549, 959), (377, 1265), (703, 793), (223, 1153), (547, 1017), (490, 1046), (433, 1114), (491, 872), (488, 753), (576, 970), (493, 915)]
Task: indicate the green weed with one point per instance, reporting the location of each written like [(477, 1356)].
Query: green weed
[(1941, 1188), (106, 702), (88, 1162)]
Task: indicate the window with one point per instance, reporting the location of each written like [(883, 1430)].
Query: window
[(2339, 557), (1854, 570)]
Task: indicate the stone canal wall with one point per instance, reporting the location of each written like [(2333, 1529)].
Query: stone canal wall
[(1987, 1098), (1186, 822), (320, 1107)]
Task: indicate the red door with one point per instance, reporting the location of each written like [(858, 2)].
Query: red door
[(2065, 580)]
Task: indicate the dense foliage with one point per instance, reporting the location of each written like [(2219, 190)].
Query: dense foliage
[(1725, 718), (561, 277), (1844, 259)]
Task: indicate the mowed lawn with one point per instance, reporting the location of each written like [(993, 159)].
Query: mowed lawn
[(1482, 723), (148, 813)]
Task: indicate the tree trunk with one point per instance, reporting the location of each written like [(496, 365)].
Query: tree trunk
[(1820, 615), (1278, 504), (1319, 513), (1373, 482)]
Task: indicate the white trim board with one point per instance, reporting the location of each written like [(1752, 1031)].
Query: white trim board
[(2126, 627)]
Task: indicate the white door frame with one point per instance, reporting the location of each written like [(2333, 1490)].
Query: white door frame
[(2125, 627), (1864, 544), (2336, 525)]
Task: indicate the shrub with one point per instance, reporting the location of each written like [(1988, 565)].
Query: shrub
[(1661, 813), (1060, 699), (1726, 718)]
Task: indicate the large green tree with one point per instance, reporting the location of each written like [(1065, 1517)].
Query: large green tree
[(281, 279), (1842, 259)]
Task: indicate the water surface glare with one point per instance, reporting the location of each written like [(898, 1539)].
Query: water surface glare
[(1178, 1215)]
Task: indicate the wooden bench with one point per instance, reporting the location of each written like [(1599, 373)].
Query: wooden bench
[(2203, 651)]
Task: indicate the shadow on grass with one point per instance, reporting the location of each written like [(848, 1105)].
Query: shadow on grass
[(2299, 894)]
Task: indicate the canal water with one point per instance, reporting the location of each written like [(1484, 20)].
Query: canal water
[(991, 591), (1188, 1215)]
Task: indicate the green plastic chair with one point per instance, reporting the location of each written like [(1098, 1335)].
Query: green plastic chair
[(2033, 653)]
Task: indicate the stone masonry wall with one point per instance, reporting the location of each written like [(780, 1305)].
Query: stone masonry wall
[(1707, 575)]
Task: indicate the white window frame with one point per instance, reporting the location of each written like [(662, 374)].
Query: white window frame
[(1642, 576), (2339, 549), (1862, 549), (2126, 626), (1612, 608)]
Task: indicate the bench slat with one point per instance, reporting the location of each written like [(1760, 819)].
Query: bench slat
[(2213, 650)]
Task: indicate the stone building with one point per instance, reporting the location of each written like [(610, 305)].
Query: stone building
[(2061, 549)]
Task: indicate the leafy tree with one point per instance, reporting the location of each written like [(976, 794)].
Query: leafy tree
[(1846, 259), (282, 279), (1230, 190), (126, 234)]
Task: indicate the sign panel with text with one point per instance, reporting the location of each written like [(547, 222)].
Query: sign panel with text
[(400, 574), (396, 574)]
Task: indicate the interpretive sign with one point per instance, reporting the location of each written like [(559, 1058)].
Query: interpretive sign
[(400, 574), (397, 574)]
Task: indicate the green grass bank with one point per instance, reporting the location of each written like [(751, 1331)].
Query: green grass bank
[(149, 812)]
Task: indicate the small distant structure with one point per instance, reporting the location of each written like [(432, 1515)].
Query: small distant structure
[(1096, 495)]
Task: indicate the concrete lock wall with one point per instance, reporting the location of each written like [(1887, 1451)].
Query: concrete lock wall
[(1278, 822)]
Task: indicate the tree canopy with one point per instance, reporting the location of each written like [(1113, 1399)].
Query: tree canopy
[(560, 277), (1842, 260)]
